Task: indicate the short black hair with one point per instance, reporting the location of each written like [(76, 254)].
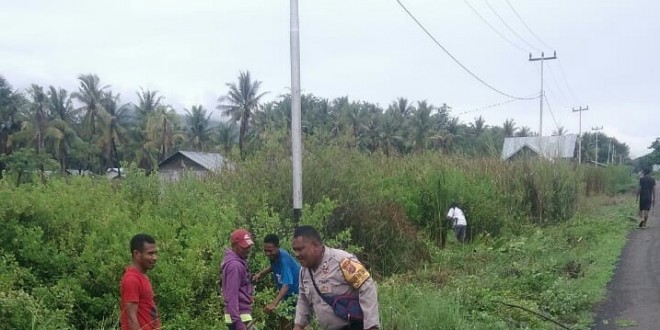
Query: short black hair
[(137, 242), (647, 171), (272, 239), (307, 232)]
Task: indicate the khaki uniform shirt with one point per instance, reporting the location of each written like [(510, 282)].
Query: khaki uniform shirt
[(330, 280)]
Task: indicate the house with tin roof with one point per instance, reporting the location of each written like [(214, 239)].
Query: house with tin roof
[(199, 164), (548, 147)]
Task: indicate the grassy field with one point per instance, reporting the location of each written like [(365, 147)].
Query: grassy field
[(560, 271)]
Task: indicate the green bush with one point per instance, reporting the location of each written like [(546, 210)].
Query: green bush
[(65, 241)]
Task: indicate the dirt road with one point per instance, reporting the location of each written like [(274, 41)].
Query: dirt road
[(633, 300)]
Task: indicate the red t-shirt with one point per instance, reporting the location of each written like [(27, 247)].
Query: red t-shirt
[(136, 288)]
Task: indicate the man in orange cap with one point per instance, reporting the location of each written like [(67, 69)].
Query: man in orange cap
[(236, 281)]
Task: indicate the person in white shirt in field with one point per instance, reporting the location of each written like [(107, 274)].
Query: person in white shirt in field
[(459, 223)]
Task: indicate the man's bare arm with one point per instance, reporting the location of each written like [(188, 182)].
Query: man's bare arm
[(653, 195), (280, 294), (131, 312), (258, 276)]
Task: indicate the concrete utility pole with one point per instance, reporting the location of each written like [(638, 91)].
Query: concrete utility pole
[(579, 110), (296, 141), (542, 59), (597, 129), (609, 151)]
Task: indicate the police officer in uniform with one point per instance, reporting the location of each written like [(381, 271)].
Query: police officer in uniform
[(331, 273)]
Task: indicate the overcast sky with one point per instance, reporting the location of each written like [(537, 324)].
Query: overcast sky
[(368, 50)]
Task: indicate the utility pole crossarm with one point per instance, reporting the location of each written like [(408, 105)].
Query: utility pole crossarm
[(543, 58)]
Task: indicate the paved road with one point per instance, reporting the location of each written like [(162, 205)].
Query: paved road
[(633, 300)]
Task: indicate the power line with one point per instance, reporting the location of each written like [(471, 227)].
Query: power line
[(493, 28), (527, 26), (568, 86), (489, 106), (456, 60), (508, 27), (561, 94), (551, 113), (546, 45), (555, 97)]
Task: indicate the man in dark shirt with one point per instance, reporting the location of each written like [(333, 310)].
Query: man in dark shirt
[(646, 196)]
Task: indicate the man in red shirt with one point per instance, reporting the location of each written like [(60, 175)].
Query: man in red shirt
[(138, 309)]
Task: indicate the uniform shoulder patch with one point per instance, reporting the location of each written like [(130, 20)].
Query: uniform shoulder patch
[(354, 272)]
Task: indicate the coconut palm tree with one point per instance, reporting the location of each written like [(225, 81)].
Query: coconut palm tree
[(355, 116), (524, 132), (10, 102), (479, 126), (401, 106), (114, 132), (39, 124), (90, 94), (61, 114), (422, 125), (559, 131), (317, 114), (37, 128), (197, 126), (441, 116), (226, 134), (370, 132), (390, 137), (60, 105), (270, 118), (239, 103), (148, 102), (161, 135), (509, 127)]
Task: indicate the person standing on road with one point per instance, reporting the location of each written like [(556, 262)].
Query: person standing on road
[(646, 196), (138, 309), (334, 286), (457, 218), (236, 281), (285, 270)]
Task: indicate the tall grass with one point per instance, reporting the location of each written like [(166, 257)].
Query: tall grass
[(560, 271), (378, 196)]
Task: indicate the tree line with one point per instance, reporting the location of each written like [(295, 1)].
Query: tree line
[(92, 129)]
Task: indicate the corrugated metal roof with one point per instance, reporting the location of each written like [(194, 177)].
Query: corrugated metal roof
[(562, 146), (208, 160)]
